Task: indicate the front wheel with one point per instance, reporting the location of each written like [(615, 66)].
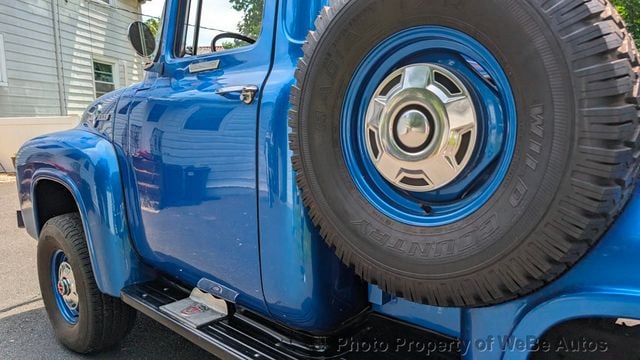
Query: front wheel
[(83, 319)]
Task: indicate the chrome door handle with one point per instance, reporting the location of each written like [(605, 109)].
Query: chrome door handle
[(247, 93)]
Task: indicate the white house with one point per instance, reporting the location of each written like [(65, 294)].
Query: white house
[(56, 57)]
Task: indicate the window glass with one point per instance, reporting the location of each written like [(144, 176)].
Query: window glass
[(239, 20), (103, 78)]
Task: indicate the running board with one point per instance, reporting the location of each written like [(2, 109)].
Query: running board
[(244, 335), (226, 338)]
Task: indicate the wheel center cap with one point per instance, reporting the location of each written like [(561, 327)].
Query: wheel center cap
[(421, 127), (413, 130), (63, 287)]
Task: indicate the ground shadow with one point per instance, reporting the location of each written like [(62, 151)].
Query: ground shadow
[(28, 335), (591, 339)]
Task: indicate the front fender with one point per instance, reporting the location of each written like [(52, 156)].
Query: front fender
[(87, 165)]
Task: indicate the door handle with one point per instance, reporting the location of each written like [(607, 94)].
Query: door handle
[(246, 93)]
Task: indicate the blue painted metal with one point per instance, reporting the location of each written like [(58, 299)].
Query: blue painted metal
[(191, 155), (86, 164), (305, 285), (99, 117), (445, 321), (495, 106), (68, 314), (298, 17)]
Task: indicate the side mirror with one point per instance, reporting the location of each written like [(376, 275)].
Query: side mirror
[(142, 39)]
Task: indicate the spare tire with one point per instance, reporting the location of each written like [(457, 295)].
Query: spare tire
[(465, 153)]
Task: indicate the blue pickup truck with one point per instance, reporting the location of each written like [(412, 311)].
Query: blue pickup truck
[(349, 179)]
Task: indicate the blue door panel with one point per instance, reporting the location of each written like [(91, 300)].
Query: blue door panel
[(192, 151)]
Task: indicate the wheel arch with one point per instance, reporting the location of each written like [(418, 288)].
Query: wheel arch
[(77, 171), (594, 303), (63, 197)]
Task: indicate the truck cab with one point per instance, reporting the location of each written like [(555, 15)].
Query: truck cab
[(180, 197)]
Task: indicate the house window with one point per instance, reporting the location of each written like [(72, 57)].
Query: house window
[(108, 2), (103, 78), (3, 64)]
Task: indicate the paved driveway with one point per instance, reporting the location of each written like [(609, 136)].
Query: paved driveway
[(25, 332)]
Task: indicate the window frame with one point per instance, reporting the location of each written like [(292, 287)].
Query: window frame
[(114, 73), (4, 80), (253, 55), (181, 31), (107, 2)]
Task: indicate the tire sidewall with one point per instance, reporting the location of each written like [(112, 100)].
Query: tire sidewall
[(74, 336), (546, 114)]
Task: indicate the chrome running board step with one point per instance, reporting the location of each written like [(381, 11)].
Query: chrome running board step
[(244, 335), (226, 337), (197, 310)]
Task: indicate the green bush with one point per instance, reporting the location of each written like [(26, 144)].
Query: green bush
[(630, 10)]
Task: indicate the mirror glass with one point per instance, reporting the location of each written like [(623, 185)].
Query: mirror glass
[(142, 39)]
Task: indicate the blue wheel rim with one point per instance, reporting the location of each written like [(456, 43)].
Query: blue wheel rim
[(68, 314), (494, 102)]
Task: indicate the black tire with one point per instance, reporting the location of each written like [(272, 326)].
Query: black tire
[(103, 320), (574, 69)]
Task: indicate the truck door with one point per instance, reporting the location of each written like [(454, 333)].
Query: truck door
[(192, 144)]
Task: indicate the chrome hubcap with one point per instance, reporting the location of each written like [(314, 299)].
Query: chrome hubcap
[(413, 130), (67, 285), (421, 128)]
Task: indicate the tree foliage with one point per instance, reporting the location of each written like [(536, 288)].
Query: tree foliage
[(154, 25), (251, 23), (630, 10)]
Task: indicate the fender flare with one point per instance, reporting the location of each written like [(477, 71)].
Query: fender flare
[(98, 192), (606, 303)]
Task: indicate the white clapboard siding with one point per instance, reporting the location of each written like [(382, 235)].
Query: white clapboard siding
[(92, 30), (88, 30), (32, 88)]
